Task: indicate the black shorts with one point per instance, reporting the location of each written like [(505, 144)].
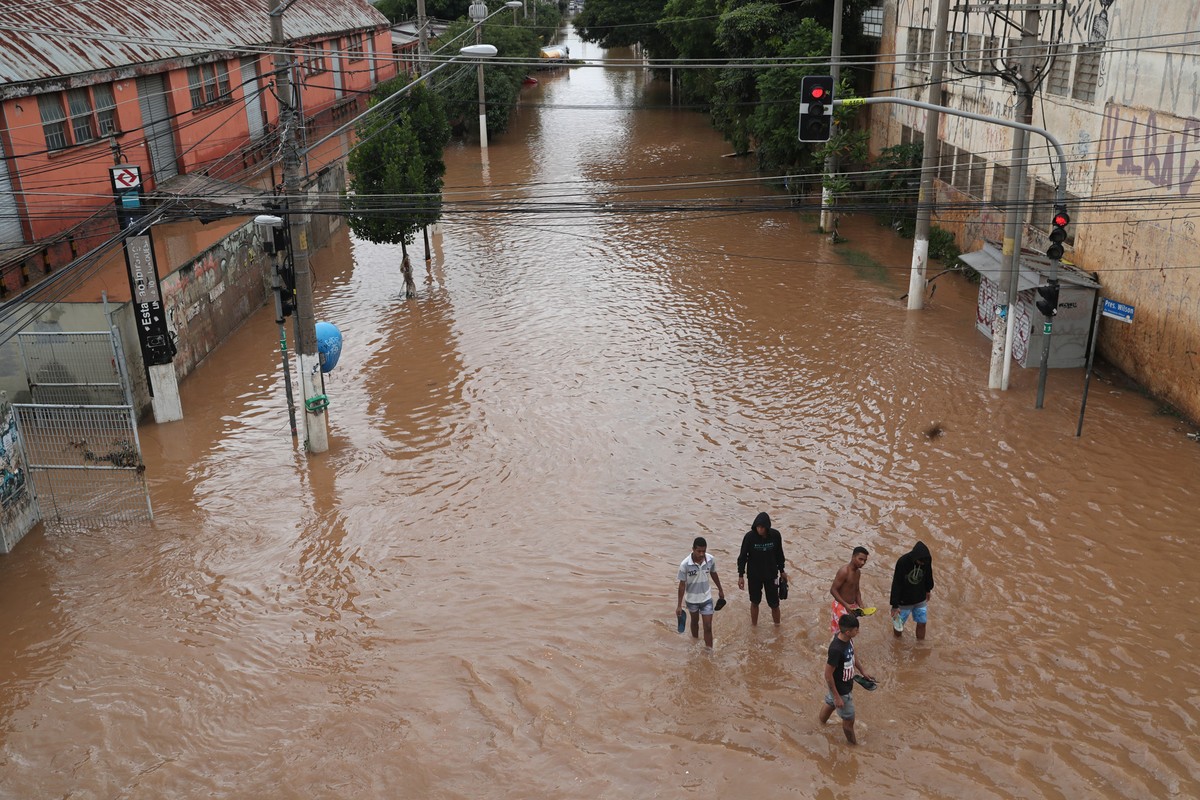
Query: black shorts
[(756, 588)]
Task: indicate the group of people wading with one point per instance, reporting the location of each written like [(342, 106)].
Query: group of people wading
[(762, 571)]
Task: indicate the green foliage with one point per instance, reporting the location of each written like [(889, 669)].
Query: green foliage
[(942, 245), (897, 171), (396, 167), (502, 83), (623, 23)]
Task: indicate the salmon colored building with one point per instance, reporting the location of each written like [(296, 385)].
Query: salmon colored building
[(186, 92)]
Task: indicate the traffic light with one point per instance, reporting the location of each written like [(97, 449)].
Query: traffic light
[(1048, 305), (1058, 233), (816, 108)]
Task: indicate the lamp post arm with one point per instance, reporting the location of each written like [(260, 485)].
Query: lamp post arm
[(1060, 189)]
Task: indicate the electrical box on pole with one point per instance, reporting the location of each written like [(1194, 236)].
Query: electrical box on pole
[(816, 108)]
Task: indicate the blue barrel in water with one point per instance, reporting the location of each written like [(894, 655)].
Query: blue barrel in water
[(329, 345)]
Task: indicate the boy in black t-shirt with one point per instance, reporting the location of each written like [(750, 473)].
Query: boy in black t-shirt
[(839, 676)]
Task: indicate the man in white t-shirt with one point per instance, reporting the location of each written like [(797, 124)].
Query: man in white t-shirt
[(694, 573)]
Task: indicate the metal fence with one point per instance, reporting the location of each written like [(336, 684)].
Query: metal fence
[(85, 462), (76, 368)]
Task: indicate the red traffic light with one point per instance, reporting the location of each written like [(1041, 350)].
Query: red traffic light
[(1061, 219), (817, 92)]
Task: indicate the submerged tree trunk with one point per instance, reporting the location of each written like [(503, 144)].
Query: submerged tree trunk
[(410, 286)]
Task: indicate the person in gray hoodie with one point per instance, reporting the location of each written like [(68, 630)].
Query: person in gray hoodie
[(912, 584)]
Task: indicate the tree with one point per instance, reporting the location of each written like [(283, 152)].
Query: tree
[(622, 23), (396, 167)]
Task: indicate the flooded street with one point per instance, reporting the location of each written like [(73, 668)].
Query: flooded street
[(471, 594)]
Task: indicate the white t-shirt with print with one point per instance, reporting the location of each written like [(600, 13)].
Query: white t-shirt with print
[(697, 589)]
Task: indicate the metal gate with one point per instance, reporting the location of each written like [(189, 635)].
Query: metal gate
[(79, 436)]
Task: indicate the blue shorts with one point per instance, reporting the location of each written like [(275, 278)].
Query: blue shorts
[(705, 609), (847, 710), (919, 612)]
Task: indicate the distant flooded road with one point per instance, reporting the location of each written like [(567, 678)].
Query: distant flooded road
[(471, 594)]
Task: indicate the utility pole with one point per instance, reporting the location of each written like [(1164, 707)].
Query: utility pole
[(1023, 69), (478, 12), (929, 158), (422, 37), (1025, 81), (316, 433), (835, 65)]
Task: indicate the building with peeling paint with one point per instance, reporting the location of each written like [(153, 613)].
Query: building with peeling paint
[(184, 91), (1120, 90)]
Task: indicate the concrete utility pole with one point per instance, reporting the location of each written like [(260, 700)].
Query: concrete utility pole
[(929, 160), (1025, 81), (835, 65), (316, 433), (478, 13), (422, 37)]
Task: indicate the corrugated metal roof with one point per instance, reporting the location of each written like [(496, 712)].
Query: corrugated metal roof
[(43, 40)]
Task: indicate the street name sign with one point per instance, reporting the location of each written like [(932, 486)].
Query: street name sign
[(1118, 311)]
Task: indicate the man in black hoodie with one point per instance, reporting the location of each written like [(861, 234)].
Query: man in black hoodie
[(911, 585), (761, 559)]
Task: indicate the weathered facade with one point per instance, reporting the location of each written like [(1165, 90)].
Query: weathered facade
[(175, 89), (1121, 95)]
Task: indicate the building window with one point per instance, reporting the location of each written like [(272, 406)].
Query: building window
[(89, 115), (978, 176), (872, 22), (357, 53), (962, 172), (992, 54), (912, 48), (209, 84), (926, 49), (945, 162), (314, 60), (973, 54), (1087, 73), (999, 185), (1059, 80)]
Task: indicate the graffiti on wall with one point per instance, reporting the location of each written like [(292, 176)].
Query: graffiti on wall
[(1152, 149)]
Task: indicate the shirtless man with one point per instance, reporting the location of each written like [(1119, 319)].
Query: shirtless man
[(846, 592)]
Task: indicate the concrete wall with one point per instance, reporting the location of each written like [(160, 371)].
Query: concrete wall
[(1133, 147)]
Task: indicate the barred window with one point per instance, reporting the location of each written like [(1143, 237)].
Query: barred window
[(1000, 185), (1059, 80), (54, 124), (926, 49), (78, 116), (209, 84), (83, 124), (1087, 73), (356, 47), (945, 162)]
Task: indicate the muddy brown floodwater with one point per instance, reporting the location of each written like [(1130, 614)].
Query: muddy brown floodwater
[(471, 594)]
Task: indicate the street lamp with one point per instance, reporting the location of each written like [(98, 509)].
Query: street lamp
[(471, 51), (478, 13)]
